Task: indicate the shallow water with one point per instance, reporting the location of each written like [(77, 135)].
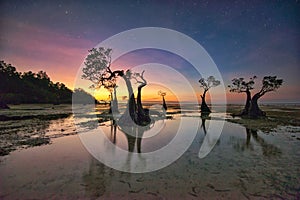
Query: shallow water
[(243, 164)]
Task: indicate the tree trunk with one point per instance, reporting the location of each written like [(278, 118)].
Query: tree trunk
[(254, 110), (129, 117), (110, 103), (140, 133), (139, 100), (204, 107), (143, 117), (248, 103), (115, 107), (164, 103)]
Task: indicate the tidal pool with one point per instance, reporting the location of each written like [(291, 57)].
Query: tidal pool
[(243, 164)]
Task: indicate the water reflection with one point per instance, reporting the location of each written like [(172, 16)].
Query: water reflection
[(132, 140), (113, 131), (227, 170), (268, 150), (133, 134), (121, 128), (239, 144), (212, 134), (246, 164), (94, 180), (28, 131), (204, 117)]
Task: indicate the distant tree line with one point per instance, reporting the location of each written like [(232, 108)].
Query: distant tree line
[(30, 87)]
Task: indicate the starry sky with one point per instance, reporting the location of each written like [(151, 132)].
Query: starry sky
[(244, 38)]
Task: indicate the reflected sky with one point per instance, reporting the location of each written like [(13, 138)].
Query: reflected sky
[(243, 164)]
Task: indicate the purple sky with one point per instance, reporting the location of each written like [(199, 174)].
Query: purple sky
[(243, 38)]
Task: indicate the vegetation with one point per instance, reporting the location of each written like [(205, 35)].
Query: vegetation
[(98, 70), (278, 115), (80, 96), (29, 87), (251, 109), (239, 85), (206, 84), (269, 84), (163, 94)]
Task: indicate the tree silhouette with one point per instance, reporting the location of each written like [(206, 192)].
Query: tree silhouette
[(143, 117), (204, 117), (8, 74), (129, 115), (80, 96), (163, 94), (269, 84), (98, 70), (239, 85), (30, 87), (206, 84)]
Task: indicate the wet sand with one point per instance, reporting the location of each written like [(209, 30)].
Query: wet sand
[(244, 164)]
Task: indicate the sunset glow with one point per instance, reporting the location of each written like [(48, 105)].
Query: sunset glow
[(56, 38)]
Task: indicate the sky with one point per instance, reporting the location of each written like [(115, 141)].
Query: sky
[(244, 38)]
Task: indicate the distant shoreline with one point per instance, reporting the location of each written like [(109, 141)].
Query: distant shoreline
[(174, 103)]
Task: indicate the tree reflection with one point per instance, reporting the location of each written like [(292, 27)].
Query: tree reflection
[(211, 138), (204, 117), (113, 131), (268, 150), (134, 135), (95, 180)]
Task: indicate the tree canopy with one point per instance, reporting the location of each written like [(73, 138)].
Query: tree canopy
[(269, 84), (97, 69), (240, 85), (208, 83), (30, 87)]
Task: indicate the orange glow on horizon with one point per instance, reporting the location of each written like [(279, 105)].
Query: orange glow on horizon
[(149, 93)]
